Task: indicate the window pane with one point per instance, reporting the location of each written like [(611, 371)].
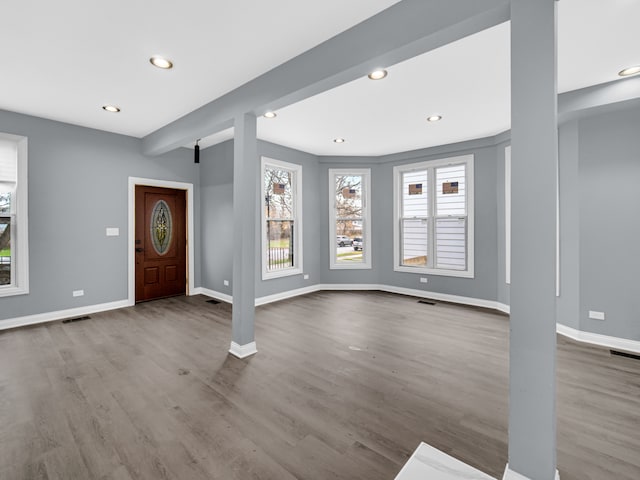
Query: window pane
[(5, 238), (280, 243), (451, 239), (278, 187), (349, 245), (450, 190), (415, 200), (414, 241), (348, 197)]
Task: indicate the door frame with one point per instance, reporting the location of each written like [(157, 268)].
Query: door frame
[(151, 182)]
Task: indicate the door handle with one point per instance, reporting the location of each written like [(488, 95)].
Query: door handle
[(139, 249)]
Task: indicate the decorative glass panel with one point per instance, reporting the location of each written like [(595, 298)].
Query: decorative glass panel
[(161, 227)]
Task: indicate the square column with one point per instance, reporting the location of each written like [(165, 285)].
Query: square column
[(246, 185), (534, 148)]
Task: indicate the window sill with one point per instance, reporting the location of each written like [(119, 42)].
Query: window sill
[(353, 266), (11, 291), (281, 273), (435, 271)]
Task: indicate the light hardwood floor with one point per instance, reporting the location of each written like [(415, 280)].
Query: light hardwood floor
[(344, 386)]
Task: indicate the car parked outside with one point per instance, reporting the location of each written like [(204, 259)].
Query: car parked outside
[(357, 243), (343, 240)]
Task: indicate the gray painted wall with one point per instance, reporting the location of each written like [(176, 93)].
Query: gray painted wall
[(217, 216), (609, 175), (78, 186), (483, 285), (568, 303), (69, 162), (502, 289)]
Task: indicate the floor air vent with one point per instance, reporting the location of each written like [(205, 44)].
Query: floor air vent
[(427, 302), (69, 320), (625, 354), (213, 301)]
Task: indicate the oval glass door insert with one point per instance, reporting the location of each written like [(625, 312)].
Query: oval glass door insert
[(161, 227)]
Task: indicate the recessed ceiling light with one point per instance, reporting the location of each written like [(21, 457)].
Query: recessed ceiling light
[(270, 115), (378, 74), (338, 140), (111, 108), (629, 71), (434, 118), (161, 62)]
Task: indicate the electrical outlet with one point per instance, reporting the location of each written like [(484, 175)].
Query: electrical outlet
[(424, 279), (596, 315), (306, 276), (78, 293), (113, 231), (226, 283)]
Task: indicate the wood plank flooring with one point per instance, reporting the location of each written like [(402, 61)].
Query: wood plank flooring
[(345, 385)]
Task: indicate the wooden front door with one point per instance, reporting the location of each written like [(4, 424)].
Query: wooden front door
[(161, 245)]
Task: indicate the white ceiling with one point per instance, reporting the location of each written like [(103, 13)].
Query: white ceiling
[(64, 60)]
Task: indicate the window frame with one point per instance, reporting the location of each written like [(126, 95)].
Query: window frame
[(430, 166), (365, 173), (20, 222), (296, 188)]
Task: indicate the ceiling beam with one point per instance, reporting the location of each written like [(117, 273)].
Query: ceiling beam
[(404, 30), (601, 98)]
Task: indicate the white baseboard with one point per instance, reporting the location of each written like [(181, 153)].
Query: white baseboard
[(213, 294), (503, 307), (511, 475), (243, 351), (61, 314), (284, 295), (601, 340)]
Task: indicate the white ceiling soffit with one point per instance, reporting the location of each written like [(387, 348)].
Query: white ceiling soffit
[(467, 82), (63, 60)]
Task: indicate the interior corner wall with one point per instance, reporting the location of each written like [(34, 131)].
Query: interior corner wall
[(502, 288), (216, 183), (78, 186), (609, 175), (568, 302)]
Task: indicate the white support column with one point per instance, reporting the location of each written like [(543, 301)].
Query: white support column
[(246, 184), (534, 148)]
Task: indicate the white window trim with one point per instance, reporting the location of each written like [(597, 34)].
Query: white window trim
[(297, 268), (366, 219), (397, 207), (20, 266)]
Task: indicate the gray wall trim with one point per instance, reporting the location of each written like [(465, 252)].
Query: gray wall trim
[(418, 26), (596, 99)]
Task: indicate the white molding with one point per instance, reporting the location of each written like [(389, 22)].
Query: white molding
[(511, 475), (223, 297), (284, 295), (61, 314), (503, 307), (243, 351), (600, 340), (151, 182)]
